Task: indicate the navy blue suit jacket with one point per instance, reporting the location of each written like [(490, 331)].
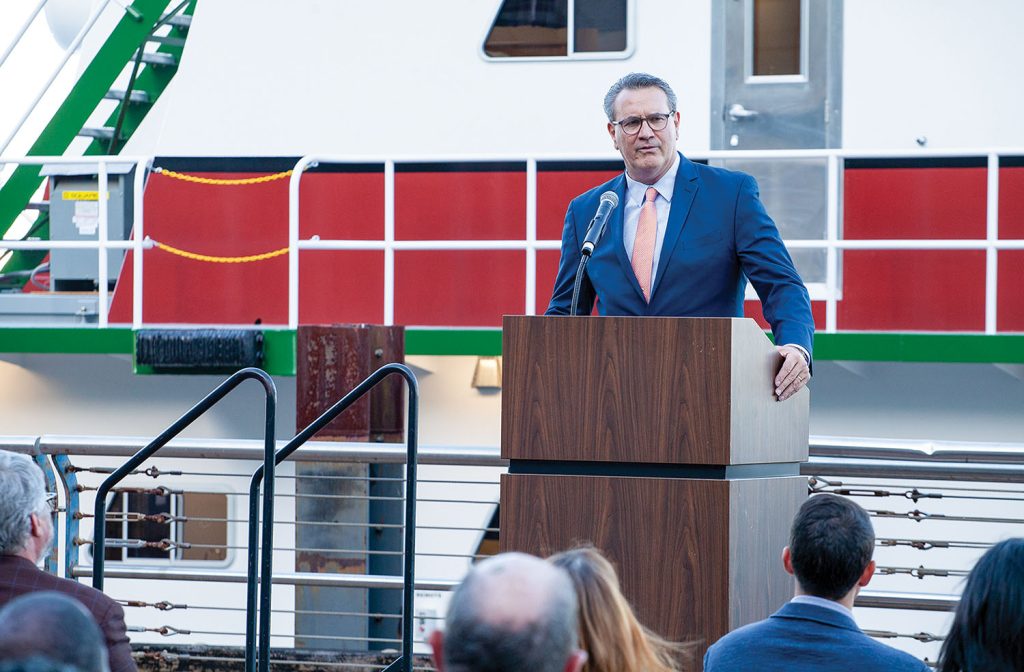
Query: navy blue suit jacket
[(718, 236), (806, 638)]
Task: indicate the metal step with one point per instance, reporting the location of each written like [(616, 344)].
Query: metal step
[(169, 41), (158, 58), (104, 133), (139, 97), (179, 20), (41, 206)]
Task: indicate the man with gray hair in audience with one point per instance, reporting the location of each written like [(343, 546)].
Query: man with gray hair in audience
[(512, 613), (55, 627), (26, 533)]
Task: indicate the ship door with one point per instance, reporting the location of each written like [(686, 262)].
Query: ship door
[(776, 70), (776, 67)]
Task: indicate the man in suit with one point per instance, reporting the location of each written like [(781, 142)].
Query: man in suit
[(686, 238), (26, 532), (829, 553), (52, 626), (511, 613)]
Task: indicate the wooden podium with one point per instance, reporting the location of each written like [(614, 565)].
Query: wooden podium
[(659, 441)]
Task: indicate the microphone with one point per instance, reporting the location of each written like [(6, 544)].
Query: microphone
[(609, 201)]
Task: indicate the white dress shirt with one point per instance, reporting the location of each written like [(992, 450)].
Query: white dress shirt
[(635, 195), (822, 602)]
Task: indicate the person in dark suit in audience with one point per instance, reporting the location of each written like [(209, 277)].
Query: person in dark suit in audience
[(512, 613), (830, 550), (26, 532), (53, 626), (988, 630)]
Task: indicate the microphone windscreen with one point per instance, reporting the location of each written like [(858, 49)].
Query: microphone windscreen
[(611, 197)]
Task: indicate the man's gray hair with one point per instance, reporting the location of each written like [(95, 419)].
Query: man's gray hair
[(483, 634), (23, 493), (637, 80)]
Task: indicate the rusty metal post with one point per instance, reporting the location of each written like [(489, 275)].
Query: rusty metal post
[(330, 361)]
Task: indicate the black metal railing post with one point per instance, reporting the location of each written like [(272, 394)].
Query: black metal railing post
[(210, 400), (257, 653)]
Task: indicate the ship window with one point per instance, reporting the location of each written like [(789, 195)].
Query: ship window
[(777, 37), (172, 526), (543, 29)]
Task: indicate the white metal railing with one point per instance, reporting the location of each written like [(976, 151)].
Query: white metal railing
[(935, 506), (828, 291), (103, 243), (72, 48)]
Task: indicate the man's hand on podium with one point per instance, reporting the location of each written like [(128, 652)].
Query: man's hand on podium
[(793, 374)]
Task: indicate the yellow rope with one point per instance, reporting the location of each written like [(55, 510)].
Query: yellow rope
[(221, 260), (210, 180)]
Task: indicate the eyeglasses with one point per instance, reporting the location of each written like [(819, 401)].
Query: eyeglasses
[(51, 501), (631, 125)]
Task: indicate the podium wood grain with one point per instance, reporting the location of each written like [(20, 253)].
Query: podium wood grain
[(646, 390), (695, 557)]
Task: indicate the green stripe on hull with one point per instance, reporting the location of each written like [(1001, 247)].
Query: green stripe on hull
[(279, 345)]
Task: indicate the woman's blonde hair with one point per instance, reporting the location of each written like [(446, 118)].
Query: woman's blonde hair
[(615, 641)]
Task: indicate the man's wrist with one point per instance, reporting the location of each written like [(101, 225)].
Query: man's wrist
[(801, 350)]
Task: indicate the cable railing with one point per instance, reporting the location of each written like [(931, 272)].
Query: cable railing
[(931, 526), (832, 242)]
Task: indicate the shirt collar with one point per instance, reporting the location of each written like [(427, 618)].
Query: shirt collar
[(665, 185), (822, 602)]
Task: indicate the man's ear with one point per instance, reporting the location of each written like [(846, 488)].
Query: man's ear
[(436, 640), (611, 133), (35, 525), (865, 578), (576, 661), (787, 560)]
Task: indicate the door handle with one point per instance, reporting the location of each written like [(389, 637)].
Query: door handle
[(737, 112)]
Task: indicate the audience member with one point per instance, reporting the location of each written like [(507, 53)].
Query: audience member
[(35, 664), (615, 641), (829, 553), (988, 630), (26, 532), (512, 613), (52, 625)]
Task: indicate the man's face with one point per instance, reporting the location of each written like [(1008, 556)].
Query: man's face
[(41, 534), (648, 154)]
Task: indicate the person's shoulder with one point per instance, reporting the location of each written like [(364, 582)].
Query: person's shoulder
[(94, 600), (739, 647), (892, 658), (745, 635)]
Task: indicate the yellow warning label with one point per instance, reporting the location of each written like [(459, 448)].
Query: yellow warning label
[(83, 196)]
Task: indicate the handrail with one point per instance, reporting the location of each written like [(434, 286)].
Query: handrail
[(832, 243), (829, 290), (826, 447), (72, 48), (917, 450), (270, 390), (265, 575), (24, 29), (102, 244)]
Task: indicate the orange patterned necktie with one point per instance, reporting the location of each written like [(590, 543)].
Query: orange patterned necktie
[(643, 244)]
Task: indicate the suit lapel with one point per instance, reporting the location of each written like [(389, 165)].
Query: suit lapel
[(683, 194), (616, 233)]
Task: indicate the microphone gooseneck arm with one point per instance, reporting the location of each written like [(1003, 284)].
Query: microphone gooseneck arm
[(609, 201)]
